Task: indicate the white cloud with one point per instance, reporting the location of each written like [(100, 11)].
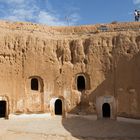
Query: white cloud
[(28, 10), (21, 12), (74, 17), (51, 19), (16, 1), (21, 15), (13, 1), (136, 1), (47, 18)]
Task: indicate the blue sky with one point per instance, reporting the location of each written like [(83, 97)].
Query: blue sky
[(72, 12)]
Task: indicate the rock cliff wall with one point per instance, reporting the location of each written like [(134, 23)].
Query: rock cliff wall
[(108, 61)]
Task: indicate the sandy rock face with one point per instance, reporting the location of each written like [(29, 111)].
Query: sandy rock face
[(83, 66)]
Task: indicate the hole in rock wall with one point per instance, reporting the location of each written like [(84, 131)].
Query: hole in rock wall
[(80, 83), (2, 109), (106, 110), (34, 84), (58, 107)]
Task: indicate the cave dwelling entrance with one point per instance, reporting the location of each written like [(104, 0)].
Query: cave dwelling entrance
[(106, 110)]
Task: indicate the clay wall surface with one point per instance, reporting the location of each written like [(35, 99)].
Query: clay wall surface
[(109, 61)]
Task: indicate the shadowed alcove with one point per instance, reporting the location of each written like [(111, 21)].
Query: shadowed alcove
[(34, 84), (58, 107), (2, 109), (106, 110), (80, 83)]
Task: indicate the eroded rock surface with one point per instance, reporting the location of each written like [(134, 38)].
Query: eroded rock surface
[(109, 62)]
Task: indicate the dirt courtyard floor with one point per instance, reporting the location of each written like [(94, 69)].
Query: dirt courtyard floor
[(45, 127)]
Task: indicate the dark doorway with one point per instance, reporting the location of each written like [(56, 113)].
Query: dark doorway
[(106, 110), (58, 107), (34, 84), (81, 83), (2, 109)]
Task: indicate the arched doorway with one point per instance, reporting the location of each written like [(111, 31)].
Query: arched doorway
[(2, 109), (34, 84), (106, 110), (80, 83), (58, 107)]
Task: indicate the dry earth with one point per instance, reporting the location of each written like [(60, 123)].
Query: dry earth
[(44, 127)]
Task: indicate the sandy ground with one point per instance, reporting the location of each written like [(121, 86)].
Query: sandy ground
[(45, 127)]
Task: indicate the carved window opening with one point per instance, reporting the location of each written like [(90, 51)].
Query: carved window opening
[(2, 109), (58, 107), (106, 110), (34, 84), (81, 83)]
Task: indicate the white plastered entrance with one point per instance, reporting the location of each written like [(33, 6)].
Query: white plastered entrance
[(52, 106), (112, 103)]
